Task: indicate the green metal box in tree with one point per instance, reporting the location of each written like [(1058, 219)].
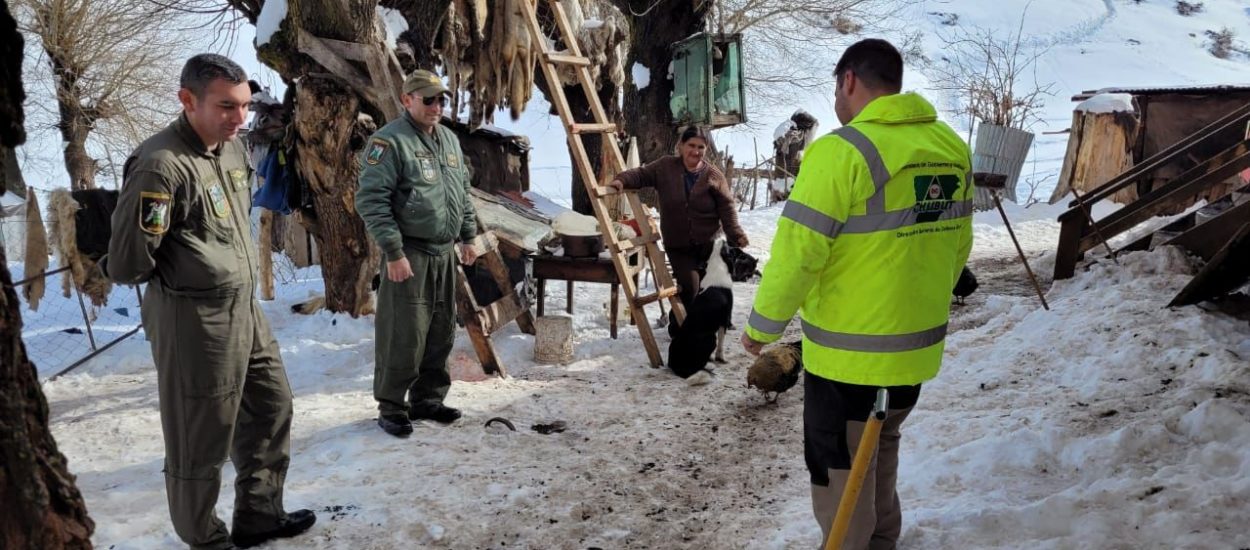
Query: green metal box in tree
[(708, 88)]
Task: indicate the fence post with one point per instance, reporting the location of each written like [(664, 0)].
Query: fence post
[(755, 177), (85, 319)]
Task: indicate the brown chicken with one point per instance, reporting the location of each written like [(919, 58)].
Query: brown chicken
[(777, 369)]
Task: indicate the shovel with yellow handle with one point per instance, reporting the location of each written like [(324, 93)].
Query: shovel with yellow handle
[(859, 468)]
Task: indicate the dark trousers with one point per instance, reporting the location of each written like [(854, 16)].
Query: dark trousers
[(415, 329), (834, 417), (689, 262), (223, 391)]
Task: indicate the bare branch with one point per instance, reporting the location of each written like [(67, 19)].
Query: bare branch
[(984, 74), (106, 67)]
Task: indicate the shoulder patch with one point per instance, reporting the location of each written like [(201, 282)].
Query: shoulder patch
[(377, 150), (154, 212)]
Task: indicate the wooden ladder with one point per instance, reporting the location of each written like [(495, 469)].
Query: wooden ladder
[(666, 288)]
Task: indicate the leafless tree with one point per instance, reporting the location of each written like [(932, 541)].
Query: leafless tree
[(986, 75), (105, 75), (792, 45)]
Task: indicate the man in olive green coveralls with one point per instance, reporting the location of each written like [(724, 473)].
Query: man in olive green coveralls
[(181, 226), (414, 199)]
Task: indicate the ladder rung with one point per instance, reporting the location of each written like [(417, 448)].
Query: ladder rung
[(636, 242), (593, 128), (607, 190), (565, 59), (663, 294)]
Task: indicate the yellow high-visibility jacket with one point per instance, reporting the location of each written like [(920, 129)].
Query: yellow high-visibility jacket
[(869, 246)]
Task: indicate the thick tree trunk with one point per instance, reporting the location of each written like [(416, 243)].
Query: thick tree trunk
[(327, 137), (652, 36), (42, 508), (75, 119), (325, 121), (74, 129)]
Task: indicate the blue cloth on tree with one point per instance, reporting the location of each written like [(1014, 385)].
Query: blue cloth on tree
[(275, 183)]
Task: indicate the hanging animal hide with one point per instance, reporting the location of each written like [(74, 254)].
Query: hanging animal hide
[(36, 252), (488, 51), (63, 211)]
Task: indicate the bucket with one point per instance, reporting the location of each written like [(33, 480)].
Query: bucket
[(999, 150), (553, 339)]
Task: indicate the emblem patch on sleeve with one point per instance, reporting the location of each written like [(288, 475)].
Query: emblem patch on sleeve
[(377, 150), (452, 161), (217, 196), (154, 212)]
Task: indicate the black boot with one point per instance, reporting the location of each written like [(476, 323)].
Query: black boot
[(437, 412), (397, 425), (295, 523)]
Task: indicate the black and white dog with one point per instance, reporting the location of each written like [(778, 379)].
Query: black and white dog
[(709, 314)]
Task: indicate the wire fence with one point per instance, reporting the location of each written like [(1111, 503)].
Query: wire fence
[(62, 332)]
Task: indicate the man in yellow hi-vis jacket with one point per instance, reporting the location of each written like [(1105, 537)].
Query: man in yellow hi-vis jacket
[(868, 248)]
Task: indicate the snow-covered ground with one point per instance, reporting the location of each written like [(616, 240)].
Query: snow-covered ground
[(1109, 421)]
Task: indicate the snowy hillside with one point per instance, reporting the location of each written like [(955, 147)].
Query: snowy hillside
[(1109, 421)]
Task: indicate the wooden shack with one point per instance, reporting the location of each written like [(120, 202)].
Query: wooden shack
[(1106, 142)]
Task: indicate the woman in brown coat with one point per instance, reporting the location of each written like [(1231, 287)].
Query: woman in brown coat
[(695, 205)]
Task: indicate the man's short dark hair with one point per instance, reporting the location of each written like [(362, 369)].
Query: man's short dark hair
[(875, 62), (204, 68)]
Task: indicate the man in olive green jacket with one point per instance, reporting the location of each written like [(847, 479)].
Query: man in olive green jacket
[(414, 199), (181, 226)]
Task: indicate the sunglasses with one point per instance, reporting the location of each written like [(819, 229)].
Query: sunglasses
[(441, 99)]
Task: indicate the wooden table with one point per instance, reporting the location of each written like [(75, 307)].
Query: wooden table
[(590, 270)]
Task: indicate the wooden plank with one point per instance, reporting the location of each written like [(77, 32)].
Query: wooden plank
[(486, 242), (1207, 238), (562, 59), (1227, 271), (265, 250), (351, 51), (318, 49), (593, 128), (466, 310), (391, 84), (1067, 252), (497, 315), (663, 294), (613, 309), (636, 242), (1182, 188)]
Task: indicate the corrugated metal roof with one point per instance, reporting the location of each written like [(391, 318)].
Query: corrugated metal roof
[(1154, 90)]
